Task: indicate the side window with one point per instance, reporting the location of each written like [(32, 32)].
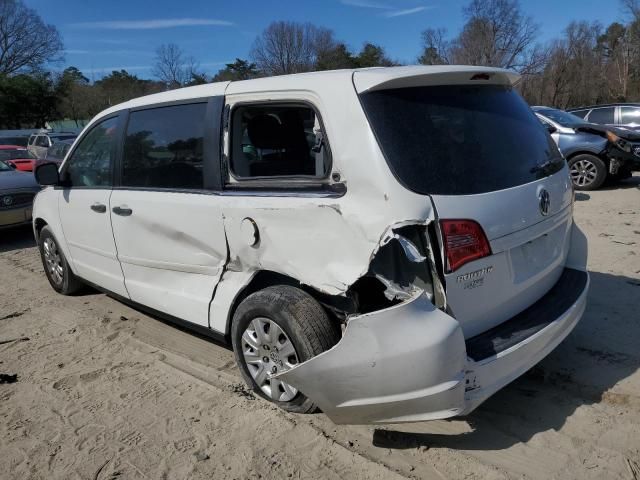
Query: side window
[(164, 147), (42, 141), (277, 141), (601, 115), (580, 113), (91, 163), (630, 115)]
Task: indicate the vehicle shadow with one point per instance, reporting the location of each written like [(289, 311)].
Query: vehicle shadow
[(581, 371), (581, 197), (16, 239), (631, 182)]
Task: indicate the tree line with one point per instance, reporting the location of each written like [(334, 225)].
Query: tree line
[(589, 63)]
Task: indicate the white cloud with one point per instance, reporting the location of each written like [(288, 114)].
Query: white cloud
[(366, 4), (153, 23), (408, 11)]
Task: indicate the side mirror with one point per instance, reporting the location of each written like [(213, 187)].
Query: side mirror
[(551, 129), (47, 174)]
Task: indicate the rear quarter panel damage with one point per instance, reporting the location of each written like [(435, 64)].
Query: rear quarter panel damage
[(401, 364)]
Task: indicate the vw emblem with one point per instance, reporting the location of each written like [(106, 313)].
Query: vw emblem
[(545, 202), (6, 201)]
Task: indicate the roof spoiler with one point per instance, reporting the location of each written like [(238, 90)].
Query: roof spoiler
[(413, 76)]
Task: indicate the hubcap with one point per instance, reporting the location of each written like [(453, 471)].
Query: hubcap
[(53, 260), (583, 173), (267, 351)]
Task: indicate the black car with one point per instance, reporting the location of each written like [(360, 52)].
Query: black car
[(615, 114), (594, 152), (17, 190)]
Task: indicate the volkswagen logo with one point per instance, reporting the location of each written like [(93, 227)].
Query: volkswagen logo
[(545, 202), (6, 201)]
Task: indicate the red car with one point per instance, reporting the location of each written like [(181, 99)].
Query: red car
[(18, 157)]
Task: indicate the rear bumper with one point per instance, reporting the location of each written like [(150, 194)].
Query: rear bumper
[(411, 362), (487, 374)]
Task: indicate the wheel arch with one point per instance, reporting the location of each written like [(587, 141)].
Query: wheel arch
[(600, 155), (38, 224), (335, 306)]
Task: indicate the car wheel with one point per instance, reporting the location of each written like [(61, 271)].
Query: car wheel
[(274, 330), (588, 172), (55, 264)]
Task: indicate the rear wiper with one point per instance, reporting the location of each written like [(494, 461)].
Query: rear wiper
[(542, 167)]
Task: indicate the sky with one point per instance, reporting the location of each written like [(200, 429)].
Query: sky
[(101, 36)]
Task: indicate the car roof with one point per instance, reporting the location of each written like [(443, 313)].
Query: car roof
[(589, 107), (365, 79)]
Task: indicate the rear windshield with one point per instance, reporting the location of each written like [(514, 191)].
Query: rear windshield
[(460, 140)]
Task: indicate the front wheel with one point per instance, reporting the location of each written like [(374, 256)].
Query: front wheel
[(274, 330), (55, 264), (588, 172)]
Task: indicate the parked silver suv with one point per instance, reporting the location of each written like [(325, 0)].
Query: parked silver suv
[(39, 143)]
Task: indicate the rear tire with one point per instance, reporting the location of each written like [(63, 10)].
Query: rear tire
[(56, 267), (588, 172), (280, 320)]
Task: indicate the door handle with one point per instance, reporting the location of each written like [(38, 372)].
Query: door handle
[(122, 211), (99, 207)]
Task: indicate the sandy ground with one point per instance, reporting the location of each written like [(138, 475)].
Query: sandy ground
[(105, 392)]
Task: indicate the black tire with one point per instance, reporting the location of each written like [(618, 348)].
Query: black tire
[(591, 162), (303, 320), (68, 284)]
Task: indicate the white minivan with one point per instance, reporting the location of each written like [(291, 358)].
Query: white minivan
[(387, 244)]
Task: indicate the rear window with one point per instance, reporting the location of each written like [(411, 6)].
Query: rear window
[(601, 115), (163, 147), (460, 140)]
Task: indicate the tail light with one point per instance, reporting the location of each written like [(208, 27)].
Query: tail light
[(464, 241)]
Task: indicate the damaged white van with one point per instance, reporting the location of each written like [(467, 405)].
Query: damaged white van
[(387, 245)]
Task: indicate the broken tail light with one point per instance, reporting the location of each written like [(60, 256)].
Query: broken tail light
[(464, 241)]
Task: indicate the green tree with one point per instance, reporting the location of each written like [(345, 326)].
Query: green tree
[(336, 58), (27, 101), (373, 55), (238, 70)]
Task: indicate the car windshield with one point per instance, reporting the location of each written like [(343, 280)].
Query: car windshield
[(4, 167), (460, 139), (563, 118), (15, 153)]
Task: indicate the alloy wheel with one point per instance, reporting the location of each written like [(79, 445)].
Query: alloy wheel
[(267, 351), (53, 260), (583, 173)]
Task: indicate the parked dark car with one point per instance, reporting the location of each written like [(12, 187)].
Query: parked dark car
[(594, 152), (616, 114), (17, 191), (15, 140)]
